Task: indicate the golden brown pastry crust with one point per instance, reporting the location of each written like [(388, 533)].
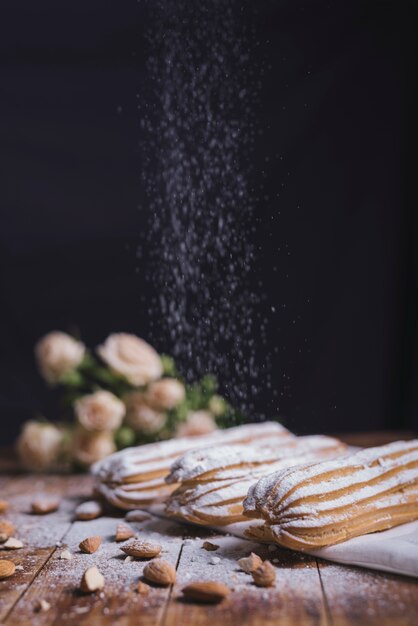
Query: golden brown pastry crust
[(315, 505)]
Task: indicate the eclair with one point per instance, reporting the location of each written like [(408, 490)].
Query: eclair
[(135, 477), (214, 481), (319, 504)]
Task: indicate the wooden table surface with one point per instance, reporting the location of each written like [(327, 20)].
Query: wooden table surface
[(307, 590)]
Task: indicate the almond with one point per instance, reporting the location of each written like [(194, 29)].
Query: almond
[(207, 545), (160, 572), (13, 544), (141, 549), (42, 606), (209, 591), (7, 568), (137, 516), (142, 588), (90, 544), (250, 563), (66, 555), (44, 505), (88, 510), (265, 575), (3, 506), (124, 532), (6, 530), (92, 580)]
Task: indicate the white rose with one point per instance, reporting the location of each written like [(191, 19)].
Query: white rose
[(197, 423), (101, 410), (140, 416), (91, 446), (132, 358), (39, 446), (165, 394), (57, 354)]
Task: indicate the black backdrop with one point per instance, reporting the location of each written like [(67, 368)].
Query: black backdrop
[(338, 104)]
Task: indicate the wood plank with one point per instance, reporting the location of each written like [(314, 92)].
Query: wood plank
[(356, 595), (58, 582), (296, 598), (39, 534)]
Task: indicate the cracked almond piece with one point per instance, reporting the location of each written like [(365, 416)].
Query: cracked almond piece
[(66, 555), (92, 580), (142, 588), (265, 575), (13, 544), (44, 505), (42, 606), (88, 510), (4, 505), (209, 591), (250, 563), (90, 544), (6, 530), (7, 568), (141, 549), (160, 572), (124, 532), (210, 547)]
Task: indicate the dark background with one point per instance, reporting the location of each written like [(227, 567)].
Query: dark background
[(337, 104)]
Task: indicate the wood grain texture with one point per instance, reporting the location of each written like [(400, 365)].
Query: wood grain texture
[(307, 591)]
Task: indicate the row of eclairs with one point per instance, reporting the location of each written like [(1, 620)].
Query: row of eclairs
[(301, 492)]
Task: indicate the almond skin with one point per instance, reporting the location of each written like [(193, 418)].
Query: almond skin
[(265, 575), (250, 563), (44, 505), (88, 510), (3, 506), (92, 580), (6, 530), (209, 592), (141, 549), (160, 572), (7, 568), (90, 544), (124, 532)]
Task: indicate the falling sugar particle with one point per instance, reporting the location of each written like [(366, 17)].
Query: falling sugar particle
[(197, 144)]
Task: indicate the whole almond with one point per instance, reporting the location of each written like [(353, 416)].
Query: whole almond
[(209, 591), (44, 505), (6, 530), (92, 580), (265, 575), (88, 510), (7, 568), (3, 506), (13, 544), (141, 549), (250, 563), (124, 532), (90, 544), (137, 516), (210, 547), (160, 572)]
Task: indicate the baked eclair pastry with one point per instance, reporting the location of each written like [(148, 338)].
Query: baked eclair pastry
[(319, 504), (213, 482), (135, 477)]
